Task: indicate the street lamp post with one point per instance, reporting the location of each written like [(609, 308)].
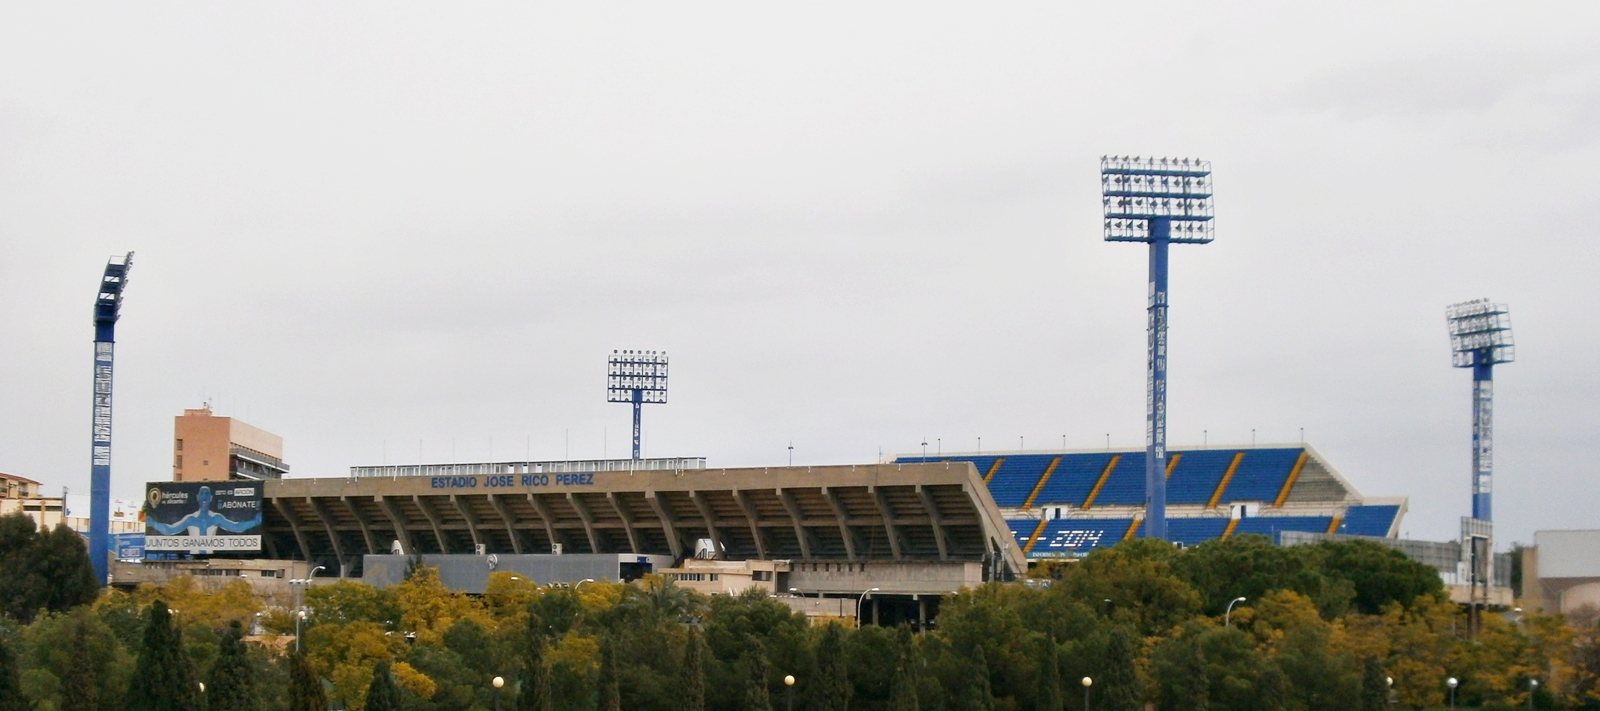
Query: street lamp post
[(788, 687), (298, 616), (1452, 682), (861, 600), (1533, 685), (1087, 682), (1227, 615), (497, 683)]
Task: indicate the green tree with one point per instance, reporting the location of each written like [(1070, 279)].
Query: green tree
[(42, 570), (1379, 575), (1178, 666), (757, 670), (80, 682), (974, 693), (305, 687), (1047, 695), (903, 688), (1374, 685), (1117, 687), (232, 686), (74, 660), (535, 692), (382, 695), (1139, 580), (692, 674), (610, 694), (18, 535), (61, 559), (830, 690), (10, 682), (162, 680)]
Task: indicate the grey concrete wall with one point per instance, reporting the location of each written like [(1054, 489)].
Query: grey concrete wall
[(470, 573), (1568, 554), (931, 578)]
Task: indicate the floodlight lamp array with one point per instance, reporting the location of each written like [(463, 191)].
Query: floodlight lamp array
[(1183, 231), (644, 372), (108, 303), (1137, 190), (1480, 333), (1155, 166)]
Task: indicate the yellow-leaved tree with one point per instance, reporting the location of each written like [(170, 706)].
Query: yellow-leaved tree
[(428, 608)]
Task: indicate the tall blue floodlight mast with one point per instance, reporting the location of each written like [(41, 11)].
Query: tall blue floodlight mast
[(1158, 201), (107, 307), (637, 377), (1480, 338)]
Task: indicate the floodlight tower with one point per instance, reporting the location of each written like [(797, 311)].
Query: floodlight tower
[(1158, 201), (1480, 338), (638, 377), (107, 307)]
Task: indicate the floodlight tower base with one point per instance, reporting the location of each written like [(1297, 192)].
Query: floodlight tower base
[(1155, 457)]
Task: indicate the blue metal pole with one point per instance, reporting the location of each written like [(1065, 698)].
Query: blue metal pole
[(1155, 456), (100, 454), (1482, 435), (638, 404)]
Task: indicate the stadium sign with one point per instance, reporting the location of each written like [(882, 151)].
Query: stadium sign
[(503, 480), (203, 518)]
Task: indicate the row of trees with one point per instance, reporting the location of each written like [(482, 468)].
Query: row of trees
[(1325, 627)]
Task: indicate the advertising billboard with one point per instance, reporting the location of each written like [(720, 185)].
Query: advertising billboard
[(129, 546), (210, 517)]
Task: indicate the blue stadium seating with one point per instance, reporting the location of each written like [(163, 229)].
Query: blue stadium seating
[(1196, 475), (1190, 531), (1261, 474), (1021, 529), (1369, 520), (1017, 476), (1271, 525), (1073, 479)]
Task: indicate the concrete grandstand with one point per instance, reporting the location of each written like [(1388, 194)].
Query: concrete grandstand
[(1068, 503)]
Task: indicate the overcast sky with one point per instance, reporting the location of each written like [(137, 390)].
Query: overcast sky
[(387, 232)]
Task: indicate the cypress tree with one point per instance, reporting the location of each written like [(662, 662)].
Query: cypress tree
[(535, 693), (232, 686), (383, 695), (975, 694), (831, 689), (1047, 697), (1196, 688), (80, 685), (610, 694), (903, 688), (1374, 685), (1117, 687), (1273, 688), (756, 672), (692, 674), (10, 681), (162, 680), (305, 687)]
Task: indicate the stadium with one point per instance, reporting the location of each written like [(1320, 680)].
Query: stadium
[(904, 532)]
